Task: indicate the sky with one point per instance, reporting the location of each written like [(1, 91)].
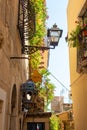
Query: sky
[(59, 57)]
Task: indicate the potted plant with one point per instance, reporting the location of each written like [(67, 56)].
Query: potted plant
[(76, 36), (84, 29)]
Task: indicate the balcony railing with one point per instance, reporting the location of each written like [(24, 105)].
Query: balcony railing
[(26, 22)]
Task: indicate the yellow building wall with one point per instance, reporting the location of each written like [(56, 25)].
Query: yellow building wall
[(64, 116), (45, 58), (78, 81)]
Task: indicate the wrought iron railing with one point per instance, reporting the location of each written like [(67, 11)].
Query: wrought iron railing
[(82, 56), (82, 51), (26, 22)]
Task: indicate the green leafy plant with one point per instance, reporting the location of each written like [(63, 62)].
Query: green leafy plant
[(54, 123), (40, 21), (75, 36), (46, 88), (40, 30)]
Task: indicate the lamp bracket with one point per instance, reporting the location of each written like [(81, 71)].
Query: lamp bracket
[(28, 50), (32, 49), (16, 57)]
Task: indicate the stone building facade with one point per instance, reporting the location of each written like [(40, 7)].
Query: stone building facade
[(57, 104), (12, 71)]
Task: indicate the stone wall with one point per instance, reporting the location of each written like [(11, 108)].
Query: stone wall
[(12, 71)]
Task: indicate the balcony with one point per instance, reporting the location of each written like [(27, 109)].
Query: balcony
[(26, 22)]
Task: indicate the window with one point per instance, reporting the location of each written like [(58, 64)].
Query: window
[(36, 126)]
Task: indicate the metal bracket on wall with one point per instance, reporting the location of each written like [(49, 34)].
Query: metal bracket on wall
[(15, 57)]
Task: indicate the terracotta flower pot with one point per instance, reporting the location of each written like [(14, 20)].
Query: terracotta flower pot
[(84, 32)]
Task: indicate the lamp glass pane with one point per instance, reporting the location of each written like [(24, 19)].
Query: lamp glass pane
[(54, 33), (54, 39), (28, 96)]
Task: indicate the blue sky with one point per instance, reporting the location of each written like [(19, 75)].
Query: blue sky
[(59, 58)]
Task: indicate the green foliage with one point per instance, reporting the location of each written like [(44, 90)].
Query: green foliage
[(40, 21), (54, 123), (45, 72), (47, 88), (41, 15), (35, 60), (75, 37)]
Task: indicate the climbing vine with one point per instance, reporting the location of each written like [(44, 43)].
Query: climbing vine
[(40, 23)]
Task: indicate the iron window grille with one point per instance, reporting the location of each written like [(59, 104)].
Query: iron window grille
[(82, 50)]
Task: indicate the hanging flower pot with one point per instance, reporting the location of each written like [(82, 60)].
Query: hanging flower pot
[(84, 32)]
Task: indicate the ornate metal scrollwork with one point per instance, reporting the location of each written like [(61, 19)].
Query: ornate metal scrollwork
[(26, 22)]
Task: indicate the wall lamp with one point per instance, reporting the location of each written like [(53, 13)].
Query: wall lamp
[(53, 36), (28, 95)]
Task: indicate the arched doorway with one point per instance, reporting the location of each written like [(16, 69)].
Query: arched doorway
[(13, 108)]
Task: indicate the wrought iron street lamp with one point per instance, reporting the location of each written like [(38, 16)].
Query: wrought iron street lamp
[(53, 36)]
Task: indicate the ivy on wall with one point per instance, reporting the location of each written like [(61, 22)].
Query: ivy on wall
[(41, 16), (46, 91), (40, 25)]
